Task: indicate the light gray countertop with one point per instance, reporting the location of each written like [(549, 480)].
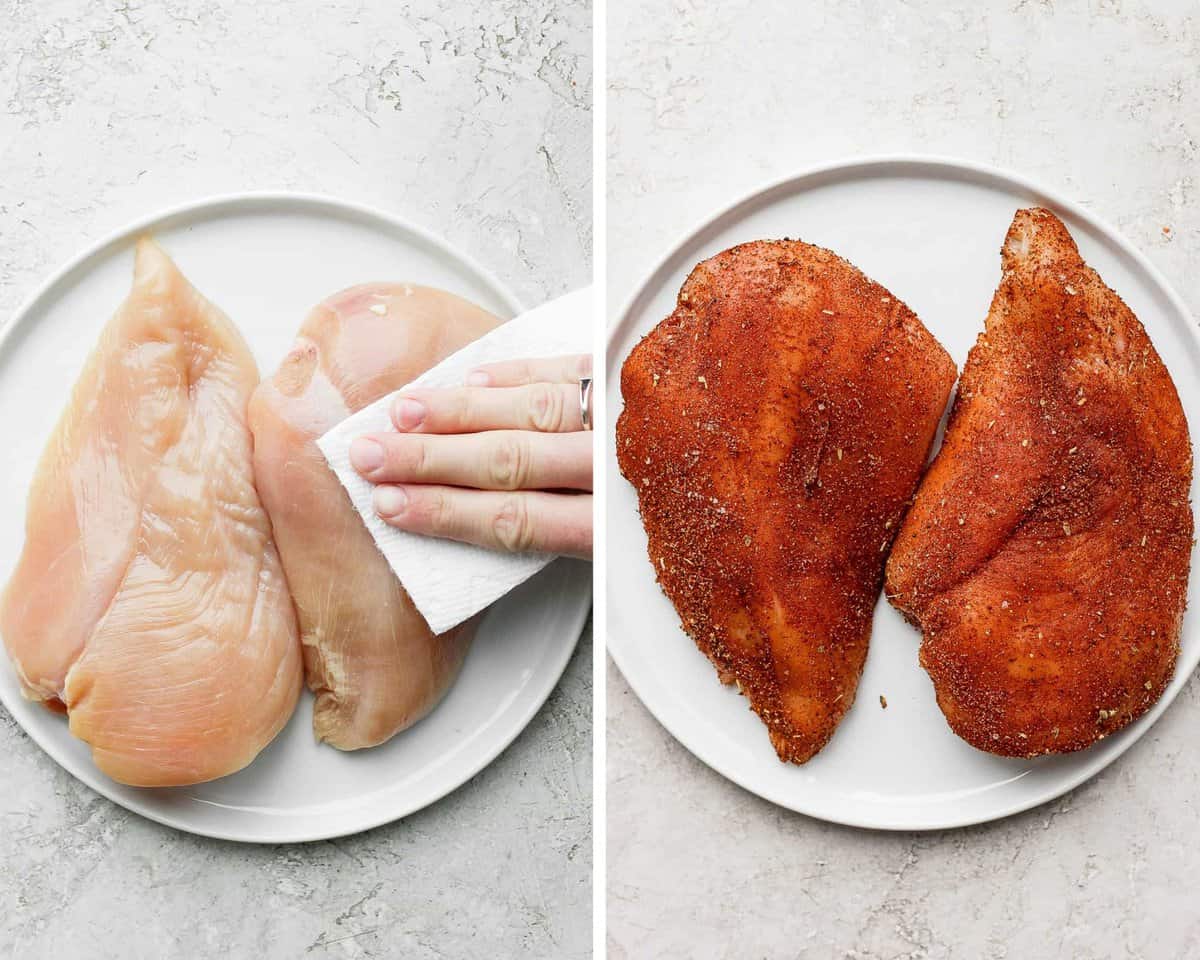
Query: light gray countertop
[(471, 119), (1098, 99)]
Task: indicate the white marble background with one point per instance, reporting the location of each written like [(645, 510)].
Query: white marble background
[(1099, 98), (472, 119)]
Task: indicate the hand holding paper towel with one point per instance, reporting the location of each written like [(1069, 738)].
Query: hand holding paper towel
[(447, 580)]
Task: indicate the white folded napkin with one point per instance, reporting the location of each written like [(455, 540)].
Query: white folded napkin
[(449, 581)]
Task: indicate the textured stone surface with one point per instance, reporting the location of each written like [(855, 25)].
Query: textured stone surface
[(472, 119), (1100, 99)]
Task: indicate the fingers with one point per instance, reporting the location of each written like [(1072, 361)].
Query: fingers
[(499, 460), (514, 522), (517, 373), (474, 464), (544, 407)]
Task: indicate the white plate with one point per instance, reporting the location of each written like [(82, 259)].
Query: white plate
[(930, 231), (266, 259)]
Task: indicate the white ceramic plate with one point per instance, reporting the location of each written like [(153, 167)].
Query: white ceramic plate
[(266, 259), (930, 231)]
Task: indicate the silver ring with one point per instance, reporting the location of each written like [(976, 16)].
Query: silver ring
[(585, 402)]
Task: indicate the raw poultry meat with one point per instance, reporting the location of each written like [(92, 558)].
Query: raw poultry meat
[(775, 426), (1046, 555), (371, 659), (148, 602)]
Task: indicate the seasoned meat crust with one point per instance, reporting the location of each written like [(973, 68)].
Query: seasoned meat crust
[(1046, 555), (775, 427)]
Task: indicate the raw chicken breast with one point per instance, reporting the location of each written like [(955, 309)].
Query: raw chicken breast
[(149, 602), (369, 656)]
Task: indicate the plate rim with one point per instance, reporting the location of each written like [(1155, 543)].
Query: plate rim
[(313, 202), (802, 180)]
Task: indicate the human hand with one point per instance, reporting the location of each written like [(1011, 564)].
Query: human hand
[(504, 462)]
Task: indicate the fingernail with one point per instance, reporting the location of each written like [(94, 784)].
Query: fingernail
[(408, 414), (478, 378), (366, 455), (389, 501)]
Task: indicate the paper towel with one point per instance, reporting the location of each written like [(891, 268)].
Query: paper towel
[(450, 581)]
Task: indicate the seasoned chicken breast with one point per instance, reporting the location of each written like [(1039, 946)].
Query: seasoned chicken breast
[(775, 426), (148, 602), (369, 656), (1046, 555)]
